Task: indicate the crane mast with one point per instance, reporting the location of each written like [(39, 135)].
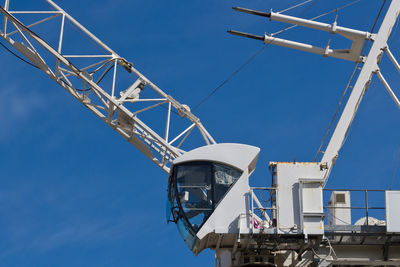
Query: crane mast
[(120, 109)]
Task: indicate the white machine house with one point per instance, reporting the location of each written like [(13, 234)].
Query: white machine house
[(209, 195)]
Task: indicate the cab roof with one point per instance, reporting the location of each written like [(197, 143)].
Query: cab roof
[(236, 155)]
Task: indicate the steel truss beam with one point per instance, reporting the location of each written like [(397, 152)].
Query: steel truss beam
[(121, 112)]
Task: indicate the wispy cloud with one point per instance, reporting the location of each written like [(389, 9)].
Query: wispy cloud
[(76, 231), (40, 220), (91, 232), (16, 107)]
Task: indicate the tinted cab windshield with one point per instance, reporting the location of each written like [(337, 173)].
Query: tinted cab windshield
[(196, 188)]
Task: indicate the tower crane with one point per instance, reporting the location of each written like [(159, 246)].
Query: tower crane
[(209, 195)]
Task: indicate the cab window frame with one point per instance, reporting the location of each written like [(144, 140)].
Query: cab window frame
[(174, 193)]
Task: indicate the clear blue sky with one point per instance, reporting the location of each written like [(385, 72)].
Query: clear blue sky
[(74, 193)]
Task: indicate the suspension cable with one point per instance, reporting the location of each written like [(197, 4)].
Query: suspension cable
[(17, 56), (348, 84), (251, 58), (319, 16), (295, 6), (233, 74)]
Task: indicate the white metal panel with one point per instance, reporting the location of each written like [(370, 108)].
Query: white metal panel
[(226, 217), (313, 225), (340, 213), (236, 155), (392, 211), (287, 182), (312, 198), (311, 206)]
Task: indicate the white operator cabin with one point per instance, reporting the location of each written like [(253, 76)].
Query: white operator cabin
[(209, 191)]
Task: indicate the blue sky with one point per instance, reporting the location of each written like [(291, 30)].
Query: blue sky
[(74, 193)]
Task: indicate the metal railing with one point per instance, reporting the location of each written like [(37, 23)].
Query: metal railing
[(364, 198), (263, 211)]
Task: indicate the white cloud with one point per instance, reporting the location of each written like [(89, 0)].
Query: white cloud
[(16, 107)]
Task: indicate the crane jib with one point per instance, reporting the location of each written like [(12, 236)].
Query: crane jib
[(123, 114)]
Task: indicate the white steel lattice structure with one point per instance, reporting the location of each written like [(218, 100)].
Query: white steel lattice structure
[(209, 193), (82, 74)]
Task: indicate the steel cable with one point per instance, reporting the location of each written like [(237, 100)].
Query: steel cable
[(348, 84), (295, 6), (17, 56), (251, 58)]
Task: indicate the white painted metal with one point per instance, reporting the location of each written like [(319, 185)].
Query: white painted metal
[(290, 205), (257, 203), (357, 37), (370, 221), (298, 210), (346, 54), (120, 114), (340, 212), (240, 156), (225, 218), (387, 87), (392, 199), (311, 206), (392, 58), (361, 85), (358, 255), (299, 199), (332, 28)]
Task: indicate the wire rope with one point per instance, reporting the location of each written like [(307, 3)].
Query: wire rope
[(348, 83), (331, 250), (252, 57), (17, 56), (233, 74), (295, 6), (319, 16)]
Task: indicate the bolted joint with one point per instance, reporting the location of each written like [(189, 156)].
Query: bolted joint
[(323, 166), (125, 64), (183, 110), (333, 27)]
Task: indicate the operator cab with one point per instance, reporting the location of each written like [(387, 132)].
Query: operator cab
[(201, 198)]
